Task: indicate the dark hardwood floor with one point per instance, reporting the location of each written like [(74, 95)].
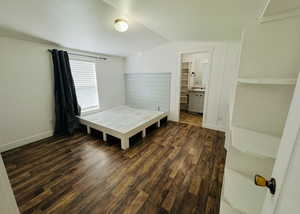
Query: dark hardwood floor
[(176, 169), (191, 118)]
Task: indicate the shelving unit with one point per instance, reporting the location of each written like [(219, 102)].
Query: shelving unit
[(257, 120), (184, 85), (257, 113), (266, 81)]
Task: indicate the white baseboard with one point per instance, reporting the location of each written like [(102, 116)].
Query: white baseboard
[(214, 127), (227, 140), (26, 140)]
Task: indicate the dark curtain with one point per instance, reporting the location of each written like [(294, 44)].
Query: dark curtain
[(66, 105)]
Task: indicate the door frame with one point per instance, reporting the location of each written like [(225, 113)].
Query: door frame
[(8, 202), (210, 51)]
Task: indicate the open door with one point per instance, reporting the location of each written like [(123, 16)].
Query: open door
[(251, 152), (284, 167)]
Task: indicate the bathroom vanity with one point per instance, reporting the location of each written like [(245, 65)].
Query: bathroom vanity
[(196, 100)]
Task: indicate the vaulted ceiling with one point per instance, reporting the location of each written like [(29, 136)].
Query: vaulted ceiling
[(88, 24), (191, 19), (78, 24)]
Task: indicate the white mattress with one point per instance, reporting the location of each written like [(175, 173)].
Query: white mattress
[(122, 118)]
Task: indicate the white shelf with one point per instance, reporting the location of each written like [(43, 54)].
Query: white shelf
[(242, 193), (249, 165), (267, 81), (254, 143), (263, 108)]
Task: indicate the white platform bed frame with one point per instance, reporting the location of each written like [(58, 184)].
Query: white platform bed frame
[(122, 122)]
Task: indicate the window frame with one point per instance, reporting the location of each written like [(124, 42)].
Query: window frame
[(91, 109)]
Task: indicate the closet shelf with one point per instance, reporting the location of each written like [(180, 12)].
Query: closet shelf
[(254, 143), (267, 81), (249, 165), (241, 192)]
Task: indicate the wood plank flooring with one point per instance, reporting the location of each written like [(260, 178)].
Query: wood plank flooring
[(191, 118), (176, 169)]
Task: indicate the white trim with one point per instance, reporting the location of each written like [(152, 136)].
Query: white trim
[(210, 51), (267, 81), (227, 140), (8, 201), (235, 83), (264, 8), (26, 140), (222, 109), (214, 127)]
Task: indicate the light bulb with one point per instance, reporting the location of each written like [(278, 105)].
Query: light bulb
[(121, 25)]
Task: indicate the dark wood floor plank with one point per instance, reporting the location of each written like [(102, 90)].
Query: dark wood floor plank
[(177, 169), (137, 203)]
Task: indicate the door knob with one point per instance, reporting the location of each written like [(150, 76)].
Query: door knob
[(262, 182)]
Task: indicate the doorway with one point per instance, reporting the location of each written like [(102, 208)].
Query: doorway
[(194, 72)]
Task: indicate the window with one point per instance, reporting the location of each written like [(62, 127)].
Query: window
[(85, 79)]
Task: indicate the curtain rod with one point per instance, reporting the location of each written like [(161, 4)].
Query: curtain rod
[(75, 54)]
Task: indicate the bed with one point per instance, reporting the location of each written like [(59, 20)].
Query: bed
[(122, 122)]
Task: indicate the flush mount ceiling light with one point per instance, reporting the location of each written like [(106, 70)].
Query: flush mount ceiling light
[(121, 25)]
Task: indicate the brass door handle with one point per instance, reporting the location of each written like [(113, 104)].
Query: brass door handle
[(262, 182)]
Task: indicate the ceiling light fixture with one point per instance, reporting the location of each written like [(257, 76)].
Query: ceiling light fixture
[(121, 25)]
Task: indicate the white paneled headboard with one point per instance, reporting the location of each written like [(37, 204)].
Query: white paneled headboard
[(148, 90)]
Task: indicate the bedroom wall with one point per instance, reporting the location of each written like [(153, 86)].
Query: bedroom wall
[(148, 91), (165, 58), (26, 90), (110, 74)]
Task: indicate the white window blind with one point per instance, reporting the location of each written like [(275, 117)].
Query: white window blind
[(85, 79)]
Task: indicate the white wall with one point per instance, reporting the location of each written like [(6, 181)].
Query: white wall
[(165, 58), (111, 85), (26, 90), (148, 91)]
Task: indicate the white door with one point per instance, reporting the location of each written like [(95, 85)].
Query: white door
[(286, 170)]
